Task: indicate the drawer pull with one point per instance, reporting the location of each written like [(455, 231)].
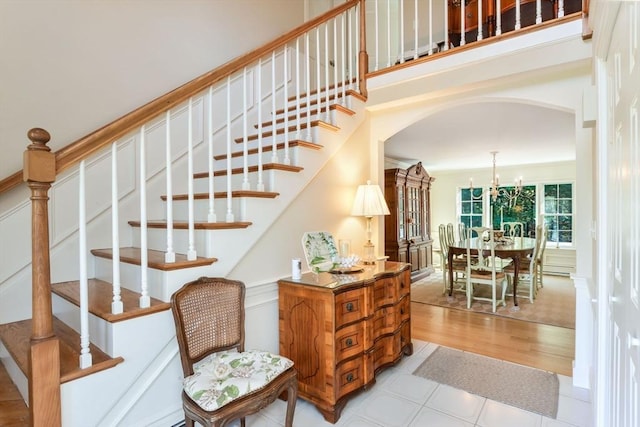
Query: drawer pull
[(401, 285), (349, 342), (349, 306), (402, 311), (349, 378)]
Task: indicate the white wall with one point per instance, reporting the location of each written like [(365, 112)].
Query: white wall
[(73, 66)]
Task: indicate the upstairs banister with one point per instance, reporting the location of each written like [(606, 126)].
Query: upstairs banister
[(71, 154)]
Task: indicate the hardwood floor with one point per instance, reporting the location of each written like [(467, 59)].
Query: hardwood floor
[(532, 344)]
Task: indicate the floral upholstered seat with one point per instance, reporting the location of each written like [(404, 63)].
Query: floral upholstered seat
[(222, 377)]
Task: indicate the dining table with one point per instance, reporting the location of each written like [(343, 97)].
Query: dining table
[(516, 249)]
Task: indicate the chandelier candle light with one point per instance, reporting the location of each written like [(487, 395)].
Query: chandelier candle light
[(369, 202), (495, 189)]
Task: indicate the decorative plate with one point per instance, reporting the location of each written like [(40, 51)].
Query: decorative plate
[(320, 251)]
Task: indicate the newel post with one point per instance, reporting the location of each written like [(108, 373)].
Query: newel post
[(44, 352), (363, 57)]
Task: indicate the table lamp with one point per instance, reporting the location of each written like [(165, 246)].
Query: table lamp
[(369, 202)]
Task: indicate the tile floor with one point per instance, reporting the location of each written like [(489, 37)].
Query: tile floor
[(399, 399)]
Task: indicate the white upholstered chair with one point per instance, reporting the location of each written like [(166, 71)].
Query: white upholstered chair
[(459, 266), (483, 270), (513, 229), (527, 273)]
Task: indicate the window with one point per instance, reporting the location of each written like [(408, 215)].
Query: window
[(558, 212), (471, 207), (511, 207)]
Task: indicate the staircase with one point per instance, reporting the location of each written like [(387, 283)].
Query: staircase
[(123, 345), (137, 233)]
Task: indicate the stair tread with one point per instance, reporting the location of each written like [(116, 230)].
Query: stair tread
[(292, 116), (254, 168), (13, 410), (223, 195), (100, 295), (292, 128), (269, 147), (184, 225), (16, 338), (156, 260)]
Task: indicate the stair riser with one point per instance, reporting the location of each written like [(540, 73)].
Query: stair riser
[(157, 240), (270, 180), (267, 157), (16, 375), (161, 284), (243, 208)]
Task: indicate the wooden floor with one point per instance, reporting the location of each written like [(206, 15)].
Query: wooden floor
[(532, 344)]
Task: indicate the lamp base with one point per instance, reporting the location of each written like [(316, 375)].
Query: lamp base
[(369, 253)]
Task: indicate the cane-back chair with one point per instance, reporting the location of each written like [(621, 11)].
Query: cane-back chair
[(223, 382)]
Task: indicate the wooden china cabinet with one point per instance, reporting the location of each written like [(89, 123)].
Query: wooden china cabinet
[(408, 228)]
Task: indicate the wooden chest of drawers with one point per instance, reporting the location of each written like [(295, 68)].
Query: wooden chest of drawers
[(340, 330)]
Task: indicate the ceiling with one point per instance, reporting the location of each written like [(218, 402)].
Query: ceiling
[(463, 137)]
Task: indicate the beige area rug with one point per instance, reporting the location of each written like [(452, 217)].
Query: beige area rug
[(527, 388), (555, 304)]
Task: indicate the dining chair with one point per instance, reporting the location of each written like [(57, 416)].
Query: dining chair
[(459, 266), (462, 231), (512, 229), (527, 274), (451, 237), (541, 233), (483, 270), (223, 382)]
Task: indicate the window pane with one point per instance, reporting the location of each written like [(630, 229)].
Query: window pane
[(550, 191), (564, 222), (551, 222), (565, 236), (477, 221), (477, 208), (465, 194), (564, 206), (550, 206), (565, 191), (466, 208)]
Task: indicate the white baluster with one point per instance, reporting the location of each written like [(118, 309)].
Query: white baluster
[(169, 255), (560, 8), (211, 215), (462, 23), (229, 217), (336, 88), (298, 89), (415, 29), (274, 153), (446, 24), (376, 34), (260, 185), (401, 50), (191, 251), (538, 12), (498, 18), (479, 37), (351, 52), (430, 27), (517, 27), (343, 57), (245, 134), (145, 300), (116, 303), (326, 74), (285, 86), (308, 88), (318, 74), (85, 355), (388, 33), (357, 48)]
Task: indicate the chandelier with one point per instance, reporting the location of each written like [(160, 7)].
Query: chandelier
[(494, 191)]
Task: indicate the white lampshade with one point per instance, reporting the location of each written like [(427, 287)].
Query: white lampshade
[(369, 201)]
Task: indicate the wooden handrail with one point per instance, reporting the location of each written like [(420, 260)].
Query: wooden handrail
[(89, 144)]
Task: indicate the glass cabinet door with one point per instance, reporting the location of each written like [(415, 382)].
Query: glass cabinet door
[(401, 214)]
